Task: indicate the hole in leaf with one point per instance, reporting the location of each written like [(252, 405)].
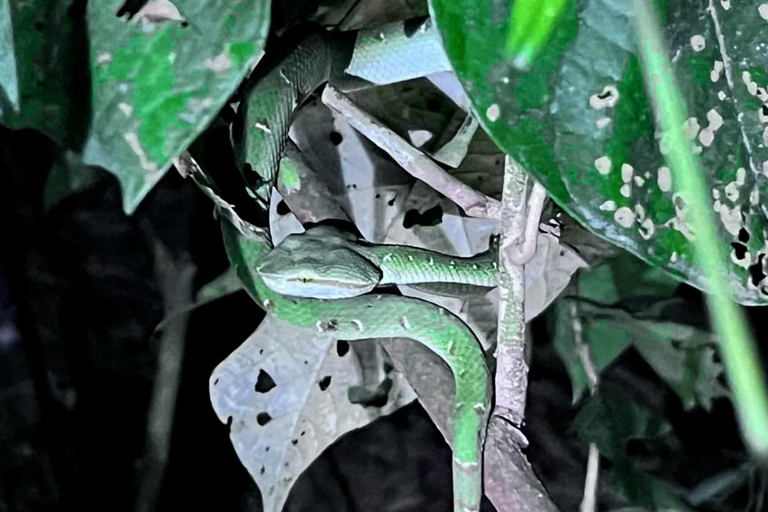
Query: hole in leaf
[(130, 7), (229, 423), (216, 382), (262, 470), (294, 442), (605, 94), (336, 138), (342, 347), (756, 271), (391, 202), (264, 382), (302, 433), (262, 419), (378, 397), (410, 26), (740, 250), (431, 217), (743, 236), (282, 208), (324, 383)]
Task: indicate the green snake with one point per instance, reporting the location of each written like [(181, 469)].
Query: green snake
[(320, 280)]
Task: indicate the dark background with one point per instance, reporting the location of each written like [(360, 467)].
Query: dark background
[(79, 302)]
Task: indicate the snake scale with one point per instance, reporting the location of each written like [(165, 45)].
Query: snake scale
[(335, 299)]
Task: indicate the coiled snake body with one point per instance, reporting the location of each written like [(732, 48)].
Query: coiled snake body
[(321, 279)]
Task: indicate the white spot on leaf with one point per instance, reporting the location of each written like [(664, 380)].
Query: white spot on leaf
[(603, 165), (639, 212), (691, 128), (730, 217), (647, 229), (493, 112), (125, 108), (763, 10), (664, 179), (624, 217), (714, 75), (626, 173), (707, 135), (608, 98), (608, 206), (133, 141), (698, 43), (741, 176), (626, 190), (222, 62), (744, 262)]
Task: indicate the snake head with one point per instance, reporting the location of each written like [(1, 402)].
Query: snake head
[(311, 268)]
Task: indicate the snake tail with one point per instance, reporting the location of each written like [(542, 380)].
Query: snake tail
[(371, 316)]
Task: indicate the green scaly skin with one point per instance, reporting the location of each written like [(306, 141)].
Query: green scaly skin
[(276, 93), (390, 316), (325, 263)]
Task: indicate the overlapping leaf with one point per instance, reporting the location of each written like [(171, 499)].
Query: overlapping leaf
[(158, 83), (578, 119)]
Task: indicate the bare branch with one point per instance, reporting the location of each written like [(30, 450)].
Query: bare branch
[(416, 163), (521, 253), (511, 366)]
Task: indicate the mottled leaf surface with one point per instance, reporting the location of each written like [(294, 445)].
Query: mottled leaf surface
[(44, 68), (286, 398), (579, 120), (157, 81)]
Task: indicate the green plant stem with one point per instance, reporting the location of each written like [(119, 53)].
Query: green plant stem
[(742, 361)]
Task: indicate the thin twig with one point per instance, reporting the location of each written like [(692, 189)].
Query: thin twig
[(510, 482), (175, 279), (521, 253), (416, 163), (589, 501), (511, 366)]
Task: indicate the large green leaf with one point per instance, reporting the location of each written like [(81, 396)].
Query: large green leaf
[(44, 68), (579, 120), (157, 85)]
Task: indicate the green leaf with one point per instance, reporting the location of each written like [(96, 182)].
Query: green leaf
[(221, 286), (605, 346), (157, 85), (44, 68), (610, 421), (579, 120)]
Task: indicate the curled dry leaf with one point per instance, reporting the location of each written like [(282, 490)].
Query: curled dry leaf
[(285, 399)]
